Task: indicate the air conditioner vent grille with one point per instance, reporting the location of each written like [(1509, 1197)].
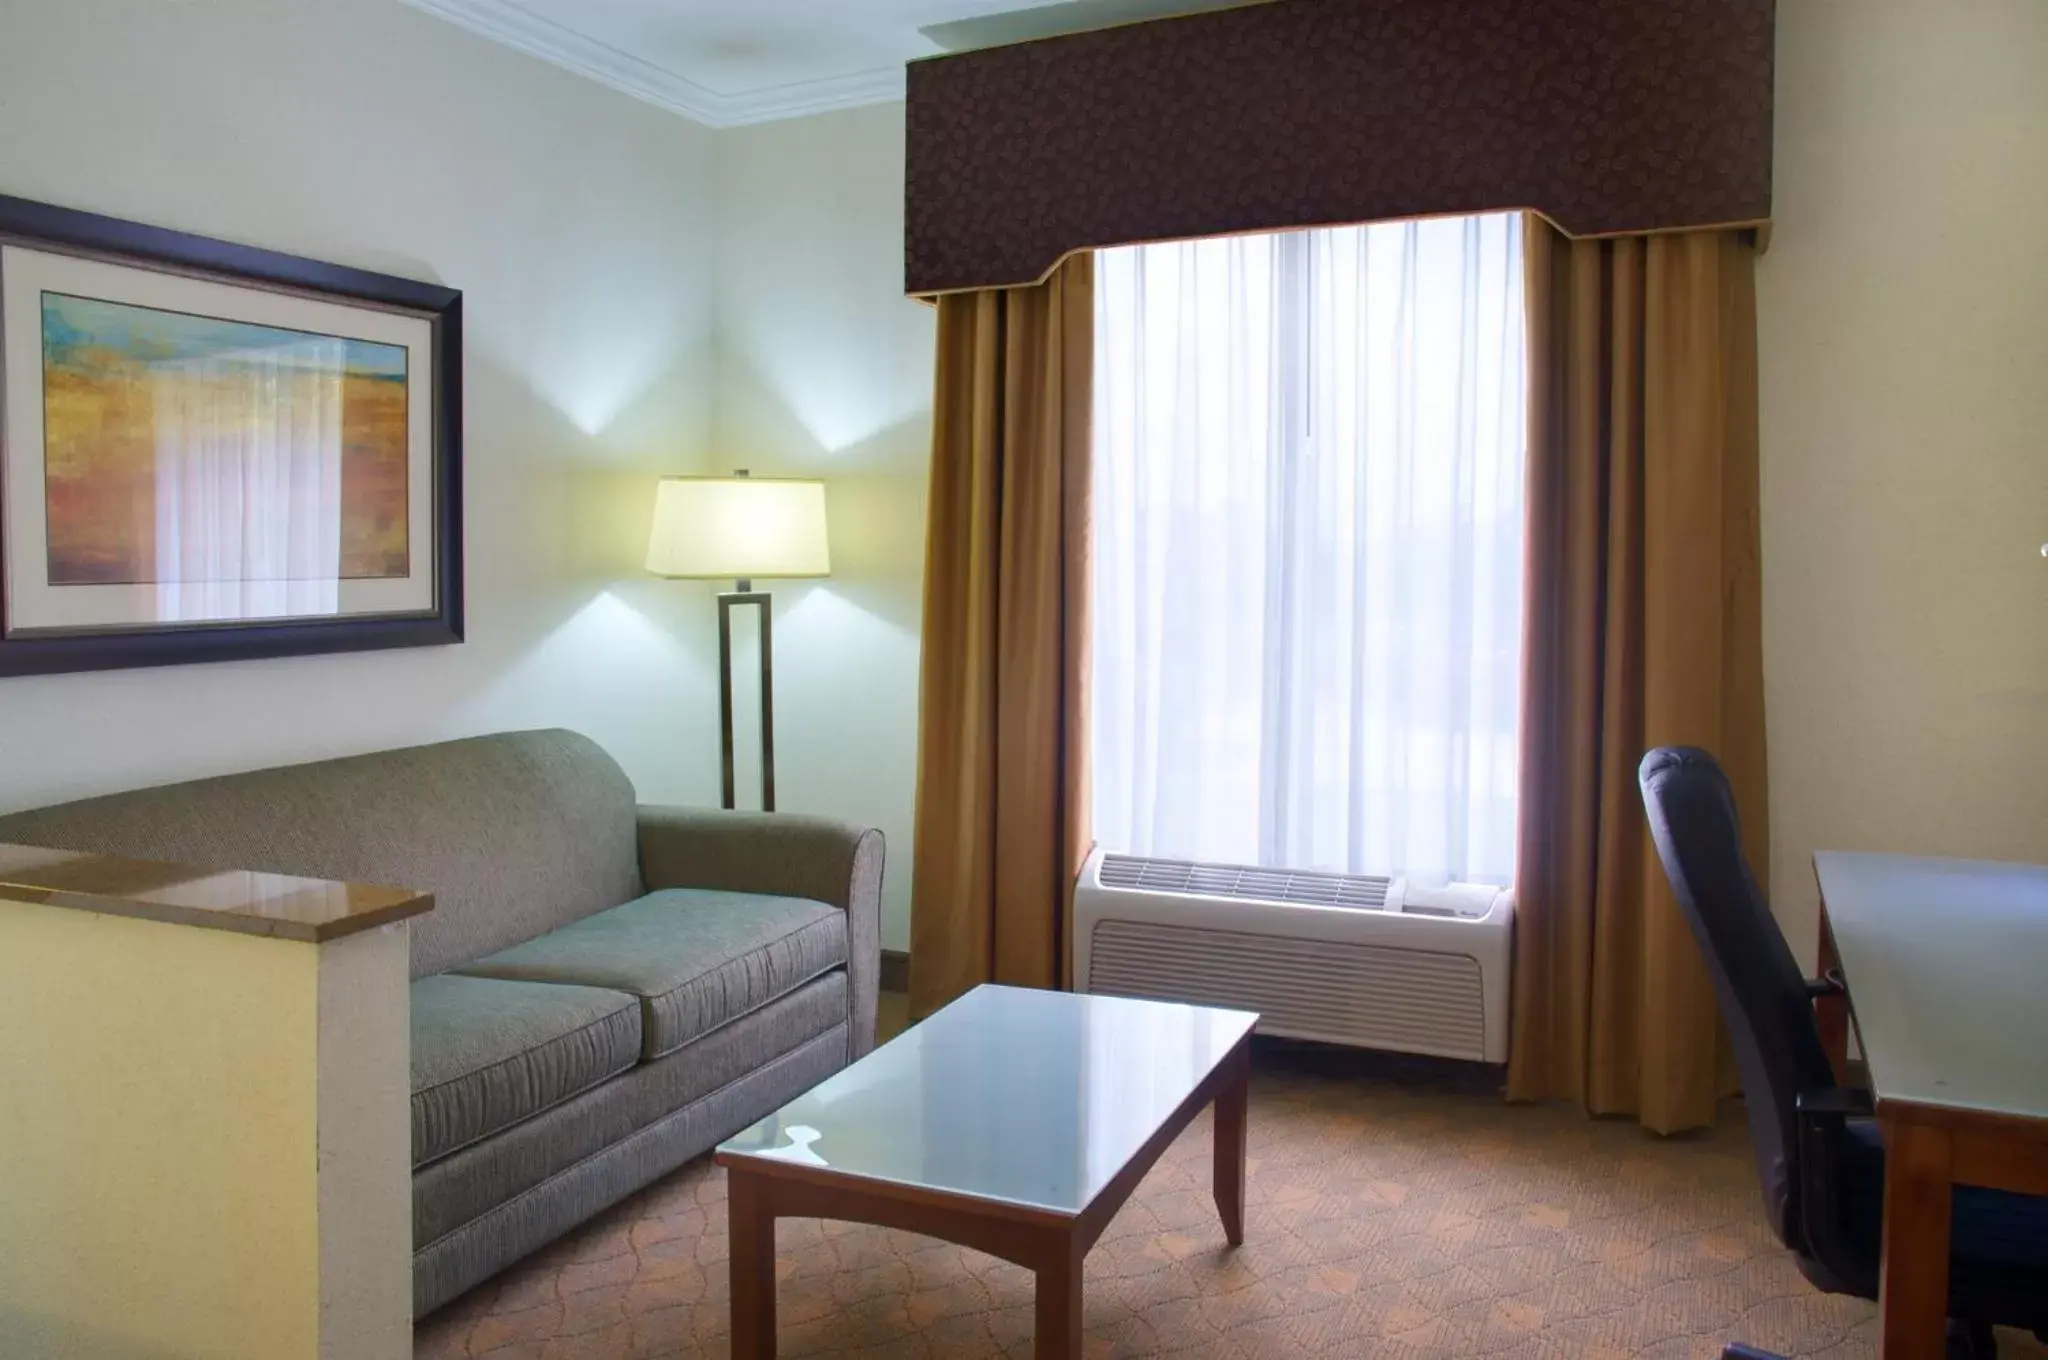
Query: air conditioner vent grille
[(1356, 891), (1335, 991)]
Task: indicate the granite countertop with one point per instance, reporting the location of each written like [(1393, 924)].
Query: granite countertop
[(313, 910)]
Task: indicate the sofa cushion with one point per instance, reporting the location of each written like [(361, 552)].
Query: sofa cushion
[(488, 1054), (468, 1185), (696, 958)]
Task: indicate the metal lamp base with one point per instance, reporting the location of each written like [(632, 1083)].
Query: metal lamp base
[(728, 600)]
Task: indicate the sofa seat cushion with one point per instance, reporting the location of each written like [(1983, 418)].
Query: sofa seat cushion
[(696, 958), (488, 1054)]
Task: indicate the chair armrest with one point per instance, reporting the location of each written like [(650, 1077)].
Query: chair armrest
[(1829, 983), (1834, 1103), (785, 855)]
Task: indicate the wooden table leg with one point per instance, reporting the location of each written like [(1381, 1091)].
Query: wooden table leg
[(1233, 1100), (752, 1229), (1913, 1288), (1831, 1013), (1058, 1335)]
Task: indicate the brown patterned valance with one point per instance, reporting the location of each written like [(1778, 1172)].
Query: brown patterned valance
[(1605, 116)]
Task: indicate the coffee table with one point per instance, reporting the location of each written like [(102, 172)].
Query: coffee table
[(1015, 1122)]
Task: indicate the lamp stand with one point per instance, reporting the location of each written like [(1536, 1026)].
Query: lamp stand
[(727, 601)]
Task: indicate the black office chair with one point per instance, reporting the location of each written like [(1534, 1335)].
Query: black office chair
[(1818, 1152)]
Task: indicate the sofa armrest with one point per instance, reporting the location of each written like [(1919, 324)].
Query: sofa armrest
[(786, 855)]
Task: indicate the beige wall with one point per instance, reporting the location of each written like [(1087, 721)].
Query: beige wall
[(207, 1143), (363, 1138), (140, 1216), (1904, 348), (577, 223), (825, 369)]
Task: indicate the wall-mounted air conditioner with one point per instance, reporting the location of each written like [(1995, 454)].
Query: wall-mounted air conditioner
[(1341, 958)]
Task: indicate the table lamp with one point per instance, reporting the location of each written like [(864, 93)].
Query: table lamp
[(740, 527)]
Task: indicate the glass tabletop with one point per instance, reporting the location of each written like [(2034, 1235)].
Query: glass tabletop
[(1947, 966), (1029, 1097)]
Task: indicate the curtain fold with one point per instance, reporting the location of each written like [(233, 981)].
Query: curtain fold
[(1643, 627), (1001, 825)]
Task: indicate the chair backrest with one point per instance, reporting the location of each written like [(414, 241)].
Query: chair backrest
[(514, 834), (1761, 989)]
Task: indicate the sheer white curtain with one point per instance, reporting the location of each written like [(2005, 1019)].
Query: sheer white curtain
[(1308, 548)]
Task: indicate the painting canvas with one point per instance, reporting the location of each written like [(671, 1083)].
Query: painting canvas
[(132, 394), (210, 451)]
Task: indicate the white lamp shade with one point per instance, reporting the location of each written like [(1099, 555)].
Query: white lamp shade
[(739, 527)]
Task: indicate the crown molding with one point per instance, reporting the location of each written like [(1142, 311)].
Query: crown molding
[(813, 96), (527, 32), (506, 23)]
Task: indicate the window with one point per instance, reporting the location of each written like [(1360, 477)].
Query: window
[(1308, 548)]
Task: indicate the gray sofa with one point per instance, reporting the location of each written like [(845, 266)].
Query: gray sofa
[(603, 990)]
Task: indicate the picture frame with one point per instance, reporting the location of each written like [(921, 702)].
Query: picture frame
[(216, 452)]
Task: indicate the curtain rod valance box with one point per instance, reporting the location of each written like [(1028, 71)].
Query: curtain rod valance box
[(1606, 117)]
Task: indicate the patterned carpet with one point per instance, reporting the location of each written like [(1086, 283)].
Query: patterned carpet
[(1394, 1210)]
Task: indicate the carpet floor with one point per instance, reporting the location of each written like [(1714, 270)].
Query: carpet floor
[(1394, 1210)]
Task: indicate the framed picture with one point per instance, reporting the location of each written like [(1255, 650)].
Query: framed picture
[(211, 452)]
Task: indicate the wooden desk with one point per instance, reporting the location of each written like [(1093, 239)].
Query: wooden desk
[(1947, 969)]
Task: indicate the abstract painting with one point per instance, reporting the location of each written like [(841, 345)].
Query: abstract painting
[(134, 396), (212, 452)]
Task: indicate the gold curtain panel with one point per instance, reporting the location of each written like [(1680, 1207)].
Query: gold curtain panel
[(1644, 629), (1002, 818)]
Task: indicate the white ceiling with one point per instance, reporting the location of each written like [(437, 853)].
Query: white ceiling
[(726, 62)]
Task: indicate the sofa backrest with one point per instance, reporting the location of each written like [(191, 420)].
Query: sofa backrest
[(514, 834)]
